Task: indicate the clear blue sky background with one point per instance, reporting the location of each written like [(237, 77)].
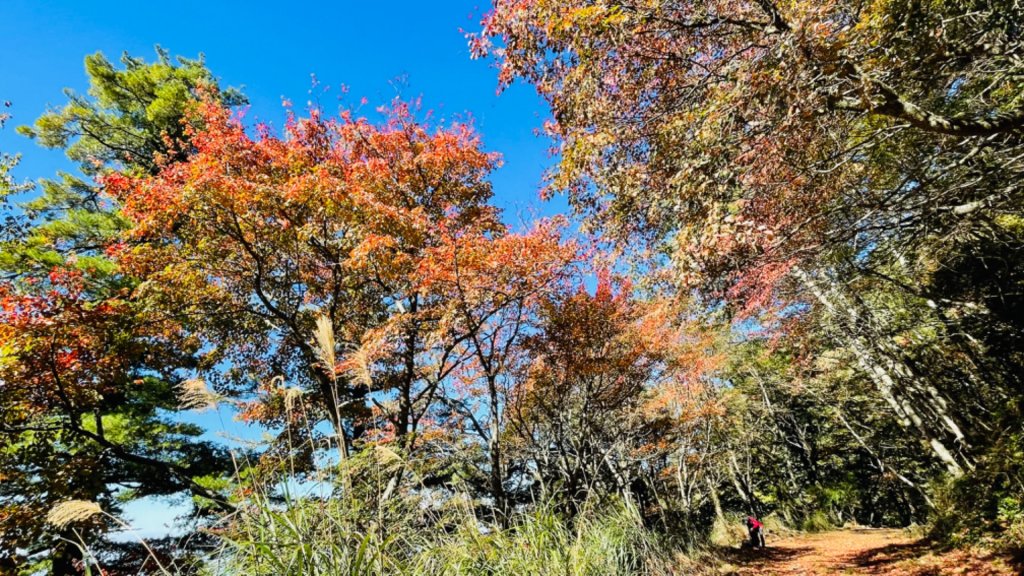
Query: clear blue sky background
[(270, 50)]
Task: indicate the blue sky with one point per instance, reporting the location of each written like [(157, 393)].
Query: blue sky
[(270, 50)]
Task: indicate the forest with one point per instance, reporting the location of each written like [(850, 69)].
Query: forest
[(790, 286)]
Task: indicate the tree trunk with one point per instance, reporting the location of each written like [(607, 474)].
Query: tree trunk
[(882, 466), (867, 354), (713, 492), (494, 447)]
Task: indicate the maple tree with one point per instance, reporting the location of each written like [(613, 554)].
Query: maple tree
[(493, 288), (609, 382), (255, 238), (377, 238), (83, 386)]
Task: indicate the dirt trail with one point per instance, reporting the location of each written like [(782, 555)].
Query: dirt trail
[(861, 552)]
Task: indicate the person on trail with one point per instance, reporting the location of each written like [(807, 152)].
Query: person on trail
[(756, 530)]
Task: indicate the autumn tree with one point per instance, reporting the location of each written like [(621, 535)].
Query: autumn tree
[(722, 114), (296, 258), (783, 153), (586, 412), (494, 288), (84, 383)]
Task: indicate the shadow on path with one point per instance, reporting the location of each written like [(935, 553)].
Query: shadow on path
[(863, 552), (765, 556), (900, 559), (881, 560)]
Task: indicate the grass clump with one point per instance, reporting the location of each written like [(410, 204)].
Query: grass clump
[(816, 521), (728, 532), (610, 542), (327, 537)]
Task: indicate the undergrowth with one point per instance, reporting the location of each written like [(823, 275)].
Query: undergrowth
[(321, 538)]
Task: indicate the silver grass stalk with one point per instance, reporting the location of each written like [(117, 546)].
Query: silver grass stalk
[(325, 344), (291, 396), (71, 512), (358, 364), (194, 394)]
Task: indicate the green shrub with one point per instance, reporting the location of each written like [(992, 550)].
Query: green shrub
[(728, 532), (816, 521), (775, 527), (986, 505), (311, 537)]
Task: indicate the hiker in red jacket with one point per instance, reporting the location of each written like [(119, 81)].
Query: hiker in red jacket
[(756, 530)]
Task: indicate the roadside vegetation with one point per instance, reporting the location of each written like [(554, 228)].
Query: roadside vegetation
[(796, 293)]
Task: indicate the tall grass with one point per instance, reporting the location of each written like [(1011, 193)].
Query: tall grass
[(322, 538), (303, 537), (332, 531), (610, 542), (351, 524)]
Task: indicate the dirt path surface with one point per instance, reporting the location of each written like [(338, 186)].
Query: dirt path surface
[(861, 552)]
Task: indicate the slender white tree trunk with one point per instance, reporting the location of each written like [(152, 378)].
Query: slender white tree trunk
[(882, 373)]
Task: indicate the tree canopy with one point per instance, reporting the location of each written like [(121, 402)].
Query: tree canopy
[(794, 293)]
